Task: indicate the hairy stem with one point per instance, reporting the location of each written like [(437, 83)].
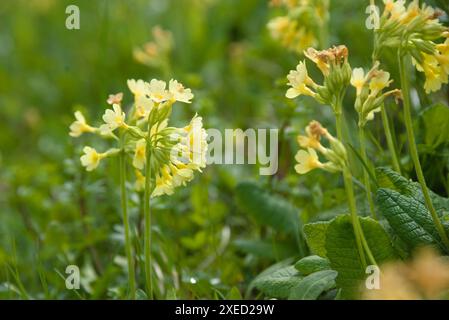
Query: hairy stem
[(414, 150), (350, 194), (147, 218), (128, 244), (366, 178), (390, 141)]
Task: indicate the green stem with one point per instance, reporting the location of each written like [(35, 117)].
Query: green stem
[(128, 245), (350, 194), (414, 151), (366, 177), (147, 217), (390, 141)]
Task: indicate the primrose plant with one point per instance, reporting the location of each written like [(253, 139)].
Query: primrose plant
[(163, 157)]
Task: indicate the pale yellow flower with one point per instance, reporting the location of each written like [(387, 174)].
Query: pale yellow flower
[(164, 183), (138, 88), (157, 92), (358, 79), (143, 106), (79, 126), (114, 118), (319, 58), (178, 92), (312, 139), (91, 158), (140, 154), (307, 161), (195, 141), (379, 81), (299, 80)]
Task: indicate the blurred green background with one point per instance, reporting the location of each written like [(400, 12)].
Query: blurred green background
[(52, 213)]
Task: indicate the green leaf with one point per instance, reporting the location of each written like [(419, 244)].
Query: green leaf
[(278, 284), (344, 257), (312, 264), (266, 249), (408, 217), (312, 286), (435, 120), (267, 209), (316, 237), (234, 294), (390, 179)]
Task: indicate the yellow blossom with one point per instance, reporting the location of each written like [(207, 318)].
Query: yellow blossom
[(163, 183), (311, 140), (79, 126), (114, 118), (178, 92), (139, 185), (156, 90), (91, 158), (299, 80), (138, 88), (140, 154), (358, 79), (307, 161), (379, 81), (319, 58)]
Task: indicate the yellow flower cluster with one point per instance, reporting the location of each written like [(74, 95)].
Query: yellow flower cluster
[(333, 64), (300, 28), (416, 29), (369, 89), (175, 153), (155, 53), (307, 157), (425, 277)]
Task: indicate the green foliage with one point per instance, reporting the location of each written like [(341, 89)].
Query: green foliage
[(436, 125), (316, 236), (311, 264), (313, 285), (267, 209), (278, 282), (340, 248)]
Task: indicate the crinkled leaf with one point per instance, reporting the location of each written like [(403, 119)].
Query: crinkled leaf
[(316, 237), (278, 284), (312, 286), (312, 264), (390, 179), (409, 218), (344, 257)]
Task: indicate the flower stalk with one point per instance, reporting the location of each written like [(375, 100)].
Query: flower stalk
[(366, 177), (413, 149), (128, 244), (147, 219)]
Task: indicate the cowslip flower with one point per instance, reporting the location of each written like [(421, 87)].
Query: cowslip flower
[(137, 87), (358, 80), (307, 161), (299, 81), (79, 126), (156, 91), (91, 158), (140, 154), (178, 92), (114, 118)]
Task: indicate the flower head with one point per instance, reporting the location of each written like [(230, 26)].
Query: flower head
[(178, 92), (114, 118), (91, 158), (299, 81), (140, 154), (156, 91), (358, 79), (79, 126), (307, 161), (115, 98)]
